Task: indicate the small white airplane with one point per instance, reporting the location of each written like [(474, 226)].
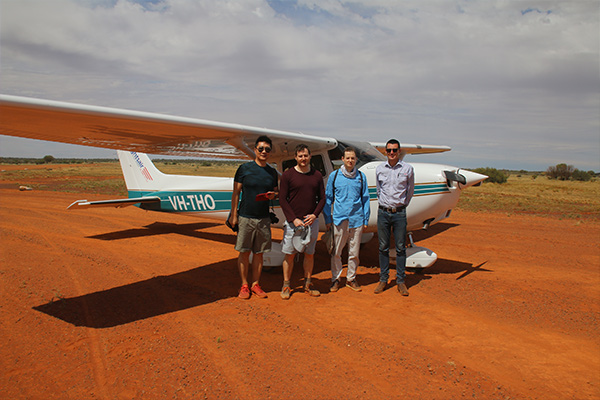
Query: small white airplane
[(133, 134)]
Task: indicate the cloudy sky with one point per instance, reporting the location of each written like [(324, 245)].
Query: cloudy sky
[(507, 84)]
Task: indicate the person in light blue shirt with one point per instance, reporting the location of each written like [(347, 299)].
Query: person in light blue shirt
[(347, 208), (395, 182)]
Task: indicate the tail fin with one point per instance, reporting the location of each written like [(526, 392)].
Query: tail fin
[(139, 172)]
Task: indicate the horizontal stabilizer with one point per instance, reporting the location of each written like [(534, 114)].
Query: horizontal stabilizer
[(118, 203)]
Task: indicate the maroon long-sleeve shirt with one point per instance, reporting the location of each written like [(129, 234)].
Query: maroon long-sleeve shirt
[(301, 194)]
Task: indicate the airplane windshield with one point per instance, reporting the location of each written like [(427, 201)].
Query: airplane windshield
[(365, 154)]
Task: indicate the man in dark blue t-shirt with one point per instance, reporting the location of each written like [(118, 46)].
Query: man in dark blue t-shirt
[(251, 179)]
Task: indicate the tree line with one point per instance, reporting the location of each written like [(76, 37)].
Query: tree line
[(561, 171)]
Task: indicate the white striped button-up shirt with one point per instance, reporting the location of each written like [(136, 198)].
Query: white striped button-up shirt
[(395, 185)]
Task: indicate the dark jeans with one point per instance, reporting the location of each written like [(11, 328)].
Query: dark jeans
[(387, 223)]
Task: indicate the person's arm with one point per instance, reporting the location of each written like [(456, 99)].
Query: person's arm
[(275, 192), (366, 200), (410, 187), (321, 194), (283, 199), (235, 198), (286, 207), (328, 201)]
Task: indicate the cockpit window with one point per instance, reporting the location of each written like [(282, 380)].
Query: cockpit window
[(365, 154)]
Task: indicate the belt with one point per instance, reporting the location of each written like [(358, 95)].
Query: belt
[(392, 210)]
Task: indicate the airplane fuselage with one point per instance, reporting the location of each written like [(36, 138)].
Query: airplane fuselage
[(433, 198)]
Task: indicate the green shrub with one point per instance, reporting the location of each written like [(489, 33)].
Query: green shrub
[(581, 176), (562, 172), (494, 175)]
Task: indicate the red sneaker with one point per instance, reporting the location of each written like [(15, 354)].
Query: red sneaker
[(244, 292), (259, 292)]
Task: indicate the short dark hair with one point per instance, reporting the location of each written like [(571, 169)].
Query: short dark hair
[(349, 149), (301, 147), (392, 141), (263, 138)]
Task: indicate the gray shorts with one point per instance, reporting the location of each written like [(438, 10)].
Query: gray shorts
[(254, 235), (287, 246)]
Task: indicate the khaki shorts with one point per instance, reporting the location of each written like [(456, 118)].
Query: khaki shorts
[(287, 247), (254, 235)]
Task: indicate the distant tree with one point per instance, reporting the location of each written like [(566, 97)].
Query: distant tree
[(494, 175), (581, 176), (48, 159), (562, 172)]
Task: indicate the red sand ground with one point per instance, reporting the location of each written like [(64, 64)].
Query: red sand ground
[(129, 304)]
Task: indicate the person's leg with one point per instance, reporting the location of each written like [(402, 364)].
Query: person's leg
[(340, 235), (383, 233), (354, 238), (288, 267), (399, 224), (308, 264), (257, 264), (309, 252), (262, 243), (309, 261), (243, 261), (288, 250), (243, 245)]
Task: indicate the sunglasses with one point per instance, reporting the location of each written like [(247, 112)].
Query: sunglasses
[(392, 150), (261, 149)]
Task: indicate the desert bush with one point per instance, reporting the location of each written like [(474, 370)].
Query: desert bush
[(581, 176), (561, 171), (495, 176)]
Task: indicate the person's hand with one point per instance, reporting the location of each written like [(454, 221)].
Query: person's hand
[(298, 222), (309, 219), (271, 195), (328, 226)]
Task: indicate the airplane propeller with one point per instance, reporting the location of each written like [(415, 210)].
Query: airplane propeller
[(464, 178)]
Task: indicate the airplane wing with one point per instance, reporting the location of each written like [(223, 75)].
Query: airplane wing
[(407, 148), (140, 131)]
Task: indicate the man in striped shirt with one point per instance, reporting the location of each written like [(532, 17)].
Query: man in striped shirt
[(395, 181)]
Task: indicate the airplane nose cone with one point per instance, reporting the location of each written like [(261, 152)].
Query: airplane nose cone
[(471, 178)]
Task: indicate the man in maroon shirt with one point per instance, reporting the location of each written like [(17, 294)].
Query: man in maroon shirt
[(302, 197)]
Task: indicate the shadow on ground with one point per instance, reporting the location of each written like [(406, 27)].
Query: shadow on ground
[(148, 298)]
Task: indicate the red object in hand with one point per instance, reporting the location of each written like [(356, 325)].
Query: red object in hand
[(262, 197)]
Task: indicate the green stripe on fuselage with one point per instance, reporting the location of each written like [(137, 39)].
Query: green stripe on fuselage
[(431, 188), (420, 189), (190, 201)]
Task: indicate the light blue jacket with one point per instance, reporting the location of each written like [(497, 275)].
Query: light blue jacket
[(351, 200)]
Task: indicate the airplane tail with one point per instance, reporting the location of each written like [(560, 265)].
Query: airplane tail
[(139, 172)]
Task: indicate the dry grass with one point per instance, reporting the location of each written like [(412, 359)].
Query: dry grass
[(520, 195), (98, 178), (539, 196)]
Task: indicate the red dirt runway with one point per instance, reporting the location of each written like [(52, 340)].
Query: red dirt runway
[(129, 304)]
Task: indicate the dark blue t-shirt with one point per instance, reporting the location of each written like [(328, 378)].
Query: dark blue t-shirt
[(255, 180)]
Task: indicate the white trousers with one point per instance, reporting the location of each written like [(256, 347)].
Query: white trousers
[(342, 235)]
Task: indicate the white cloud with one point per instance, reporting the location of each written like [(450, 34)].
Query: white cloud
[(483, 77)]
